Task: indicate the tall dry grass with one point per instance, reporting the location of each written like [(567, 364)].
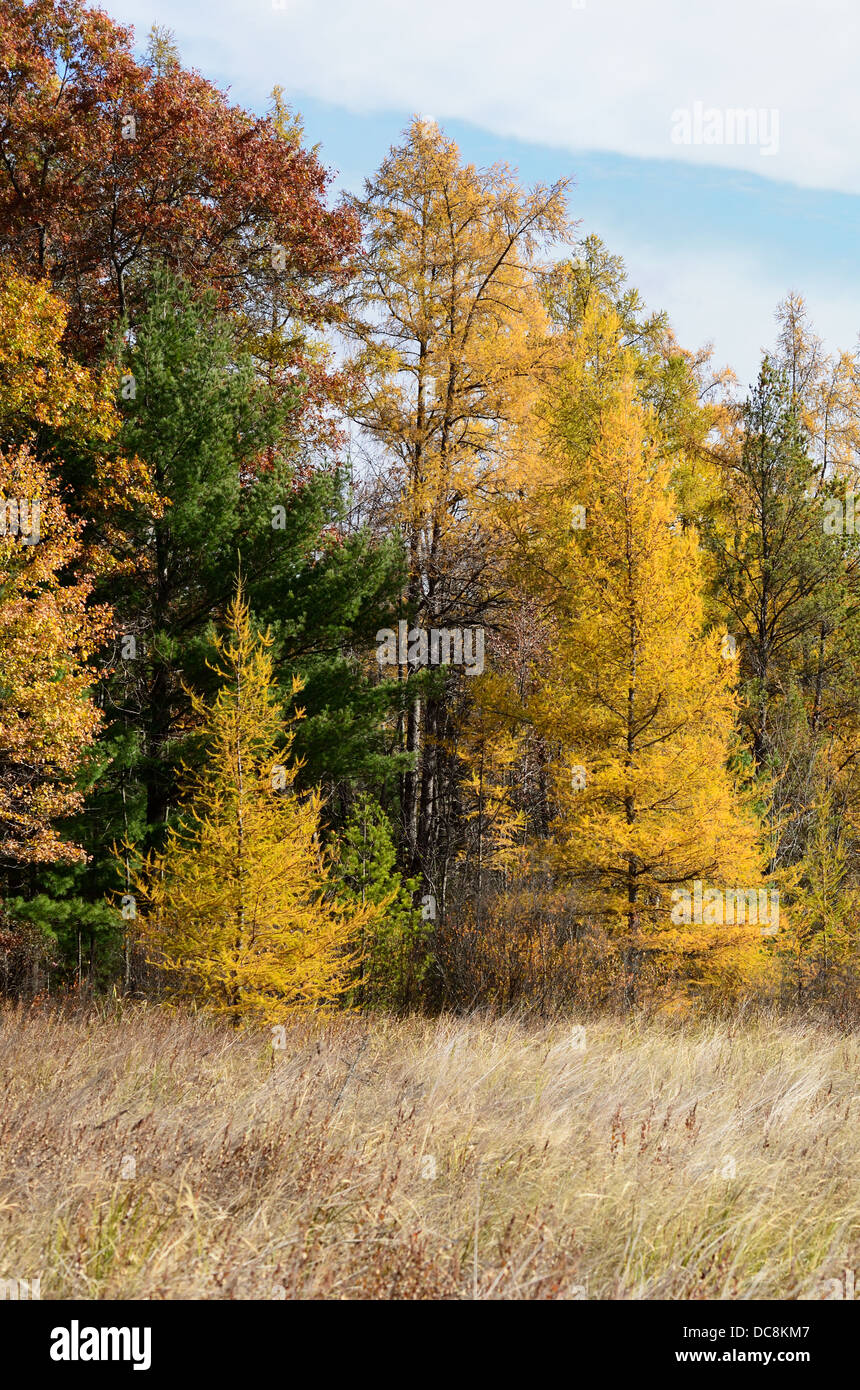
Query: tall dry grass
[(456, 1157)]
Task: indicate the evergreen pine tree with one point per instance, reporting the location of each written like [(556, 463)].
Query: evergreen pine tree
[(394, 956)]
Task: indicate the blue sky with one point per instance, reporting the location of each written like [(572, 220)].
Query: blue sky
[(634, 101)]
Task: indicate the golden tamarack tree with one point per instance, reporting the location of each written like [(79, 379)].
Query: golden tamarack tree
[(239, 908), (451, 330), (637, 700)]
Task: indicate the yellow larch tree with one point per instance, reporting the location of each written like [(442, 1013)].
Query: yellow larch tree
[(495, 848), (637, 702), (825, 391), (453, 349), (239, 910)]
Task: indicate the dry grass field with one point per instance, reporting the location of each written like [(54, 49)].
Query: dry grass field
[(153, 1155)]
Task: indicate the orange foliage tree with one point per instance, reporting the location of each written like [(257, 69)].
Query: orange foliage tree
[(48, 636)]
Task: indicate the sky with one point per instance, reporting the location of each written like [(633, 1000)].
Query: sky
[(714, 147)]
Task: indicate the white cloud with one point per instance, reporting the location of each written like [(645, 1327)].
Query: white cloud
[(607, 76)]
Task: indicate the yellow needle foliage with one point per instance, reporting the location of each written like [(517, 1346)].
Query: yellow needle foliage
[(454, 344), (637, 702), (239, 911)]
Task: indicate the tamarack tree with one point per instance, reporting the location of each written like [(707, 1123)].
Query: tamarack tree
[(239, 908), (638, 702), (452, 342)]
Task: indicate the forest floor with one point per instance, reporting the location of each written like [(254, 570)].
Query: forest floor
[(151, 1154)]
